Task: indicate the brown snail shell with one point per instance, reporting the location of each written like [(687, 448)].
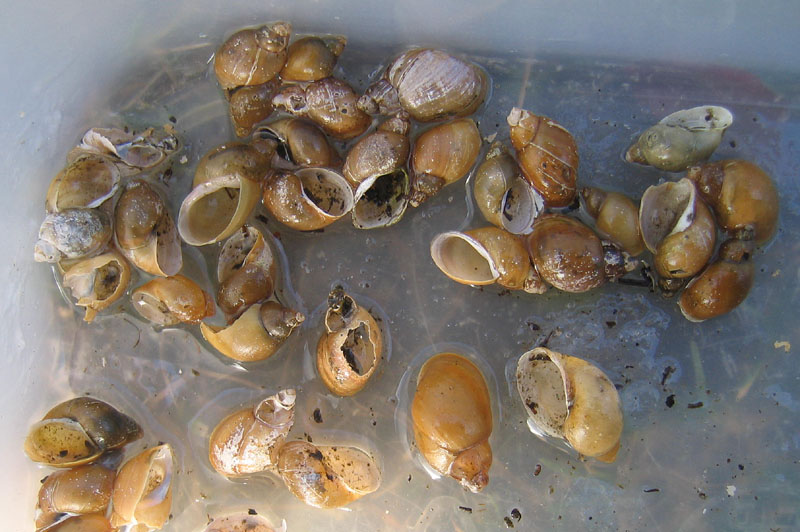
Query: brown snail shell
[(84, 489), (430, 85), (243, 522), (86, 182), (442, 155), (616, 218), (307, 199), (252, 56), (313, 58), (350, 350), (723, 285), (72, 234), (83, 523), (327, 476), (98, 282), (547, 155), (171, 300), (300, 143), (330, 103), (247, 441), (137, 151), (251, 104), (78, 431), (452, 419), (143, 489), (742, 195), (256, 334), (571, 398), (246, 272)]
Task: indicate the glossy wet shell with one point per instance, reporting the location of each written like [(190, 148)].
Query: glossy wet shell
[(616, 218), (143, 489), (84, 183), (98, 282), (312, 58), (246, 271), (307, 199), (72, 234), (83, 523), (85, 489), (168, 301), (137, 151), (243, 522), (252, 56), (250, 105), (301, 144)]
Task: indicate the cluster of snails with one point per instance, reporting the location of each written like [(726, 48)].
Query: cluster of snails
[(90, 491)]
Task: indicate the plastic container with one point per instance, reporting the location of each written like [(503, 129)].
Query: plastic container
[(606, 73)]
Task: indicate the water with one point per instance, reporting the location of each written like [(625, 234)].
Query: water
[(728, 464)]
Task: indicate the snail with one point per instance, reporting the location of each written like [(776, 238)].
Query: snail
[(327, 476), (83, 523), (82, 490), (87, 183), (723, 285), (677, 228), (136, 151), (452, 419), (313, 58), (167, 301), (547, 155), (250, 105), (78, 431), (349, 351), (307, 199), (570, 398), (98, 282), (145, 232), (243, 522), (72, 234), (247, 441), (616, 218), (143, 489), (742, 195), (246, 272), (299, 143), (252, 56), (442, 155), (429, 84), (681, 139), (330, 103)]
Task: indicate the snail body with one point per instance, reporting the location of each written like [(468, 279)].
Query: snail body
[(72, 234), (143, 489), (313, 58), (616, 218), (251, 104), (86, 182), (307, 199), (82, 490), (252, 56), (98, 282), (246, 272), (167, 301), (300, 144)]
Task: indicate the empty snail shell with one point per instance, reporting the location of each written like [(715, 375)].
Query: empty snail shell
[(742, 195), (677, 228), (681, 139), (428, 84), (256, 334), (452, 419), (98, 282), (723, 285), (85, 489), (83, 523), (247, 441), (567, 397), (72, 234), (226, 189), (252, 56), (246, 271), (145, 232), (330, 103), (327, 476), (78, 431), (349, 351), (171, 300), (313, 58), (143, 489), (307, 199), (300, 143), (138, 151), (86, 182), (547, 155), (616, 218), (243, 522), (484, 256), (442, 155), (251, 104)]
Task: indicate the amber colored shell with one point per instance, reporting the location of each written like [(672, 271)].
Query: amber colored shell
[(252, 56)]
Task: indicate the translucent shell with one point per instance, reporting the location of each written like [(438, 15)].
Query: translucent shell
[(252, 56), (570, 398), (547, 155), (83, 523), (313, 58), (300, 143), (452, 419), (137, 152), (143, 489), (442, 155), (243, 522), (98, 282), (246, 272), (616, 217), (327, 476), (307, 199), (247, 441), (168, 301), (743, 197), (82, 490), (349, 352), (72, 234), (86, 182), (681, 139), (250, 105), (78, 431)]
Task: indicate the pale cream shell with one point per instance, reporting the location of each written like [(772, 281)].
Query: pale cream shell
[(86, 182), (143, 489), (286, 198), (171, 300), (81, 279)]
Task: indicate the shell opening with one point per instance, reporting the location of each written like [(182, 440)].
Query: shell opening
[(666, 209), (542, 388), (521, 205), (152, 308), (358, 351), (326, 194), (381, 201), (463, 259)]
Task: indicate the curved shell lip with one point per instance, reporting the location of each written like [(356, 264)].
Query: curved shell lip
[(396, 204), (449, 265), (54, 190), (245, 246), (521, 205), (311, 215), (161, 255), (701, 118), (675, 200), (83, 268)]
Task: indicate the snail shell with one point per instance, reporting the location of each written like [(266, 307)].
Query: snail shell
[(167, 301), (82, 523), (616, 218), (571, 398), (143, 489), (82, 490), (681, 139), (428, 84), (330, 103), (243, 522), (98, 282), (256, 334), (722, 286), (547, 155), (78, 431), (442, 155), (72, 234), (452, 419), (251, 104), (349, 352), (252, 56), (226, 189), (247, 441), (246, 272), (742, 195), (313, 58), (677, 228), (136, 151), (307, 199), (327, 476), (86, 182), (300, 143)]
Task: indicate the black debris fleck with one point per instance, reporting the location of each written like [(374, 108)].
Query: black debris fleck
[(173, 119), (516, 514), (509, 523), (698, 404), (317, 416), (466, 509), (670, 401), (537, 470), (611, 324), (669, 370), (252, 511), (651, 490), (741, 467)]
